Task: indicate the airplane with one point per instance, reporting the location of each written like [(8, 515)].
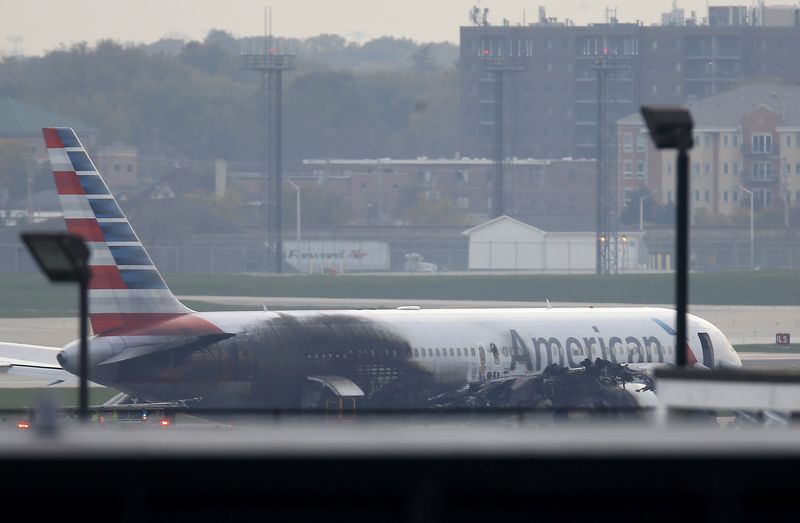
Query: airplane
[(150, 346)]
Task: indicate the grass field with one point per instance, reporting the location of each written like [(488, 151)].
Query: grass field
[(31, 295)]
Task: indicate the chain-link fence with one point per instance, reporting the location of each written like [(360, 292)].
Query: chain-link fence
[(446, 256)]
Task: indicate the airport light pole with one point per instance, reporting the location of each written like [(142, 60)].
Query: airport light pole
[(671, 128), (297, 190), (752, 230), (624, 250), (64, 257), (641, 211)]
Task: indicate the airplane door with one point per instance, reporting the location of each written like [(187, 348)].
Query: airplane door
[(708, 349), (482, 360)]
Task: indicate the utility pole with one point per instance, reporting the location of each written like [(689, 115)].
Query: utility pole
[(271, 65)]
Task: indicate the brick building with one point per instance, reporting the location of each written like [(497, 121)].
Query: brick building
[(551, 193), (550, 96)]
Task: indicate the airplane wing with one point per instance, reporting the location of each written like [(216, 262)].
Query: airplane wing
[(32, 361)]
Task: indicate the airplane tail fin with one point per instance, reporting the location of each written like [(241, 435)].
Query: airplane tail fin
[(126, 291)]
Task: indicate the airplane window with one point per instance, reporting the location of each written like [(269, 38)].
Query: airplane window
[(444, 352), (505, 351), (430, 353), (458, 351), (472, 351), (416, 353), (438, 353), (495, 353), (408, 353), (451, 352)]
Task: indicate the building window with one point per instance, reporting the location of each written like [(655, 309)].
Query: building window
[(762, 143), (707, 168), (725, 168), (627, 141), (669, 196), (654, 45), (736, 196), (707, 140), (736, 140), (797, 168), (725, 196), (130, 168), (707, 196), (762, 198), (669, 168), (640, 170), (640, 140), (627, 169), (696, 168), (654, 89), (697, 196), (788, 140), (725, 140), (735, 168), (762, 171)]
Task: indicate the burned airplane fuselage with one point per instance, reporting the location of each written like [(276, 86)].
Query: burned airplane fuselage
[(267, 365)]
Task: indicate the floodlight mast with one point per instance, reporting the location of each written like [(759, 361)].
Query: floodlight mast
[(671, 128)]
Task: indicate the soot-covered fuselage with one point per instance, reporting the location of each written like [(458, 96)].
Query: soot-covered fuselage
[(268, 365)]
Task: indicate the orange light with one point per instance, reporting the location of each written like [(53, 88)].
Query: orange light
[(164, 422), (23, 425)]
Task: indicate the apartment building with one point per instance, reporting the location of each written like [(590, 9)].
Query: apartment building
[(549, 74), (746, 140)]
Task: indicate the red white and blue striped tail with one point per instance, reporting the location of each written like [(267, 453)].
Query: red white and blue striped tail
[(126, 291)]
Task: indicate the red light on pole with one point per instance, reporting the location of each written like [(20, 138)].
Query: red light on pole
[(23, 425), (164, 422)]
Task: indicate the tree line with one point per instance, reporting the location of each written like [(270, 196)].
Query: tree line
[(386, 98)]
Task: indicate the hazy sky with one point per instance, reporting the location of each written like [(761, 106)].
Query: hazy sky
[(45, 24)]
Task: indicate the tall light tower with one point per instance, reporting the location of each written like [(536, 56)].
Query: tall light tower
[(606, 243), (271, 64), (499, 67)]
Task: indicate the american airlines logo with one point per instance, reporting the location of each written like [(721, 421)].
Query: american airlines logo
[(540, 352)]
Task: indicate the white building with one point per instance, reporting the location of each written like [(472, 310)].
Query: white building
[(508, 244)]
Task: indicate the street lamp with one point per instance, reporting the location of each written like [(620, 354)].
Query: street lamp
[(671, 128), (64, 257), (752, 231), (624, 250), (641, 211), (297, 190)]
